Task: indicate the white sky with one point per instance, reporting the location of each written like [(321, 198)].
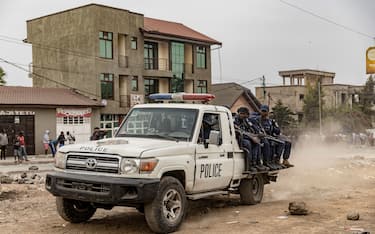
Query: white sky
[(260, 37)]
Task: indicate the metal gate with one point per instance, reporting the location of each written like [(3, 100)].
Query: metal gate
[(13, 124)]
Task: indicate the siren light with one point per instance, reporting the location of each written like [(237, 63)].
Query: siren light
[(182, 96)]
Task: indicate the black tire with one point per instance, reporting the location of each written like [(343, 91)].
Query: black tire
[(74, 211), (159, 213), (251, 190)]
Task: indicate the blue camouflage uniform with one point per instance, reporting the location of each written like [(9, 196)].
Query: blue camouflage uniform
[(265, 154), (246, 142), (279, 148)]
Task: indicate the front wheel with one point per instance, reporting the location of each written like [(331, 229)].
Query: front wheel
[(251, 190), (166, 212), (74, 211)]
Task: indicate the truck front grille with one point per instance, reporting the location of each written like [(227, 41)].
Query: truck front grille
[(95, 163), (92, 187)]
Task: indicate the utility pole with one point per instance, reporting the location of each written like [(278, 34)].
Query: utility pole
[(264, 88)]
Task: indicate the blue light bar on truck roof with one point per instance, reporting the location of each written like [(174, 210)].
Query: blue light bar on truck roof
[(182, 96)]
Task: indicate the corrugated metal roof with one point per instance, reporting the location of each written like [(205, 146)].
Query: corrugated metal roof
[(17, 95), (162, 27)]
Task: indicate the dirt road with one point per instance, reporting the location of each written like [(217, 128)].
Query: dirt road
[(331, 180)]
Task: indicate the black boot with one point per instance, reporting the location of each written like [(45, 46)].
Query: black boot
[(260, 167), (278, 164), (270, 165), (253, 167)]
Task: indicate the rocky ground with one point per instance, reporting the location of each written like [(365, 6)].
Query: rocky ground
[(332, 180)]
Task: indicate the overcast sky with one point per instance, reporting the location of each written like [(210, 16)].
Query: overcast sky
[(260, 37)]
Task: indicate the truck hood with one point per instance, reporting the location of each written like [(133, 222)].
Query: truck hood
[(128, 147)]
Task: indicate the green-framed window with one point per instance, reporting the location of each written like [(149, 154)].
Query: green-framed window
[(151, 86), (178, 63), (106, 45), (106, 85), (133, 43), (201, 57), (202, 86), (134, 83)]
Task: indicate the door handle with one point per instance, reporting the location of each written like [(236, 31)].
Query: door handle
[(222, 155), (203, 156)]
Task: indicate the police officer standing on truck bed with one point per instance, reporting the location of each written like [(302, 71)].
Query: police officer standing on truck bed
[(280, 145), (265, 153), (248, 140)]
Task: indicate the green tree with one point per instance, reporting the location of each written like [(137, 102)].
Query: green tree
[(367, 96), (283, 116), (311, 105), (2, 80)]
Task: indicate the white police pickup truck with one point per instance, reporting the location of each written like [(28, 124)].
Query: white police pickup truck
[(162, 155)]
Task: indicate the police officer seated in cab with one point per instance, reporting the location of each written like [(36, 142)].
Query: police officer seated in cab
[(248, 140), (281, 145)]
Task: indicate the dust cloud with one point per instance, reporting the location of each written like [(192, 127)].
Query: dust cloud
[(322, 169)]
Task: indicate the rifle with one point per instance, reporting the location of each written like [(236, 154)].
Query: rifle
[(254, 137), (275, 139)]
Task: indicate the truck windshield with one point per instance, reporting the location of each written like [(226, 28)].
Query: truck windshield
[(165, 123)]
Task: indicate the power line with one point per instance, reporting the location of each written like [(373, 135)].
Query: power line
[(54, 81), (233, 85), (327, 20)]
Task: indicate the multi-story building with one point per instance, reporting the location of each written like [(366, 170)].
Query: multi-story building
[(294, 89), (117, 56)]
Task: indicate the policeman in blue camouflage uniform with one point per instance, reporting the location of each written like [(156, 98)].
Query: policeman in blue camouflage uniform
[(250, 144), (265, 153), (280, 145)]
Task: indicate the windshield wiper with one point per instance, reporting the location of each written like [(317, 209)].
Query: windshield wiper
[(164, 137)]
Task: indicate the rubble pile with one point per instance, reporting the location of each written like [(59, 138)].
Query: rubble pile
[(23, 178), (298, 208)]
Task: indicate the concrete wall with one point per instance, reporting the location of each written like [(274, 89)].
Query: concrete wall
[(290, 95)]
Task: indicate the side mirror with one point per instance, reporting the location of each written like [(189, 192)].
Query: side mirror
[(214, 138)]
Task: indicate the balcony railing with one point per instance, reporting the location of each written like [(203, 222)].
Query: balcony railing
[(123, 61), (156, 64), (163, 65)]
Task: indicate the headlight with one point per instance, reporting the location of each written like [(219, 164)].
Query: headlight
[(60, 160), (129, 166)]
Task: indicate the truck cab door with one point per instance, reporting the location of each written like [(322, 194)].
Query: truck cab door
[(213, 160)]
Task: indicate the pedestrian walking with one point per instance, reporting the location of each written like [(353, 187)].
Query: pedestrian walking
[(48, 143), (16, 150), (3, 143), (22, 149), (70, 137), (61, 139)]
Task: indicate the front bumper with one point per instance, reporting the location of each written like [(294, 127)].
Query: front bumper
[(102, 189)]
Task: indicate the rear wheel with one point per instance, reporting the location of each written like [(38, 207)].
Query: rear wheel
[(74, 211), (166, 212), (251, 190)]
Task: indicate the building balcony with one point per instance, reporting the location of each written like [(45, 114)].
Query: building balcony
[(156, 64), (123, 61)]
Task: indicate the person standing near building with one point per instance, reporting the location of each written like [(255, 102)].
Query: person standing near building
[(46, 141), (16, 149), (71, 139), (22, 148), (3, 143), (61, 139)]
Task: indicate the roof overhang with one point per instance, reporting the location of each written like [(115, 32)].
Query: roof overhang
[(170, 37)]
